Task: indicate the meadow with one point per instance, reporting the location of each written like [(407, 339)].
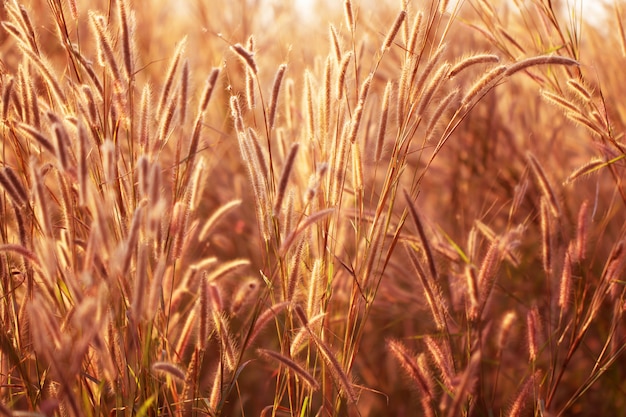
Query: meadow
[(383, 208)]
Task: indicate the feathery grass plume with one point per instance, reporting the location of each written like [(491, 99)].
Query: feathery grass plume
[(292, 365), (532, 327), (465, 387), (235, 112), (190, 387), (603, 122), (565, 285), (334, 42), (38, 136), (418, 85), (314, 184), (141, 283), (20, 250), (391, 35), (247, 57), (127, 32), (524, 395), (264, 318), (169, 369), (83, 163), (358, 112), (178, 228), (155, 294), (442, 360), (166, 121), (204, 316), (13, 187), (106, 55), (472, 291), (211, 82), (298, 340), (546, 237), (216, 389), (341, 77), (43, 215), (294, 274), (33, 101), (250, 78), (580, 89), (544, 185), (169, 78), (27, 115), (278, 80), (403, 90), (484, 83), (430, 291), (144, 116), (308, 105), (357, 168), (315, 287), (443, 6), (586, 122), (472, 60), (349, 14), (581, 232), (587, 169), (382, 124), (559, 101), (46, 72), (259, 158), (28, 25), (216, 217), (422, 234), (284, 177), (6, 98), (62, 140), (229, 349), (345, 386), (326, 103), (519, 192), (304, 225), (244, 295), (227, 268), (431, 88), (183, 96), (539, 60), (505, 330), (415, 32), (444, 104), (486, 273), (410, 366)]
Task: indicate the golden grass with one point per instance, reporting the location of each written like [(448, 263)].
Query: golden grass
[(236, 211)]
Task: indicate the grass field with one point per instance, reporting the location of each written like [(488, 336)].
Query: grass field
[(383, 209)]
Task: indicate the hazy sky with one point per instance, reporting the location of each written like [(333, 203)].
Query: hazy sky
[(591, 8)]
